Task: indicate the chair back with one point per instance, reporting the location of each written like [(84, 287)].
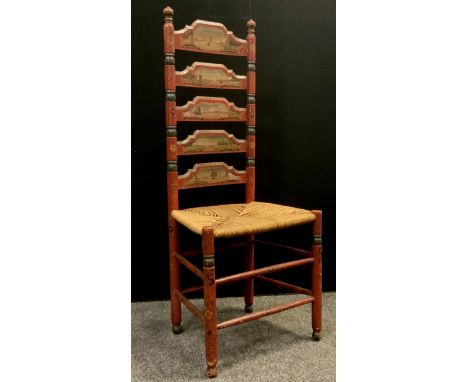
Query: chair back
[(208, 38)]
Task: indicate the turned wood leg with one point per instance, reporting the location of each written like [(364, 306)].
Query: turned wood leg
[(249, 284), (317, 276), (209, 289), (176, 309)]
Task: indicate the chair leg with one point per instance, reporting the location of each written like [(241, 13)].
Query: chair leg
[(249, 284), (209, 289), (317, 276), (176, 308)]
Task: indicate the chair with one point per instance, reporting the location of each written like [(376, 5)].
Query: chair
[(232, 220)]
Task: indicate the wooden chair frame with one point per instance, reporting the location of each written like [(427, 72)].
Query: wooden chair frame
[(215, 109)]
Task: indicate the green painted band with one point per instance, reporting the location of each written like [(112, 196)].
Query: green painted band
[(169, 59), (208, 261), (170, 96), (171, 132), (171, 165)]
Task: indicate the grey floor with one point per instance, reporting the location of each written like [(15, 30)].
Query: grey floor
[(273, 348)]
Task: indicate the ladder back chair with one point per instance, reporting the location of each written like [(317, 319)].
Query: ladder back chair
[(231, 220)]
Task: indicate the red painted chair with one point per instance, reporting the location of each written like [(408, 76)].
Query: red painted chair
[(222, 221)]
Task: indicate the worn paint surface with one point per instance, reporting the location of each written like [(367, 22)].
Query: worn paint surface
[(211, 141), (205, 174), (210, 109), (209, 37), (202, 74)]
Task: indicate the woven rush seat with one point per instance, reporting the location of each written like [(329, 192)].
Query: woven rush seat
[(230, 220)]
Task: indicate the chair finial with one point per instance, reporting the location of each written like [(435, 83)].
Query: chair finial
[(251, 26), (168, 12)]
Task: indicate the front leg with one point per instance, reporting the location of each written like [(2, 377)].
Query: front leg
[(209, 289), (249, 284)]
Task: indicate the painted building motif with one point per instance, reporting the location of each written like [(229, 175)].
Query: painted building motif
[(210, 110), (211, 175), (210, 38), (203, 76), (212, 143)]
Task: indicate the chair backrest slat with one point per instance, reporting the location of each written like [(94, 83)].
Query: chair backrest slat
[(211, 174), (210, 142), (216, 109), (207, 75), (209, 37)]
